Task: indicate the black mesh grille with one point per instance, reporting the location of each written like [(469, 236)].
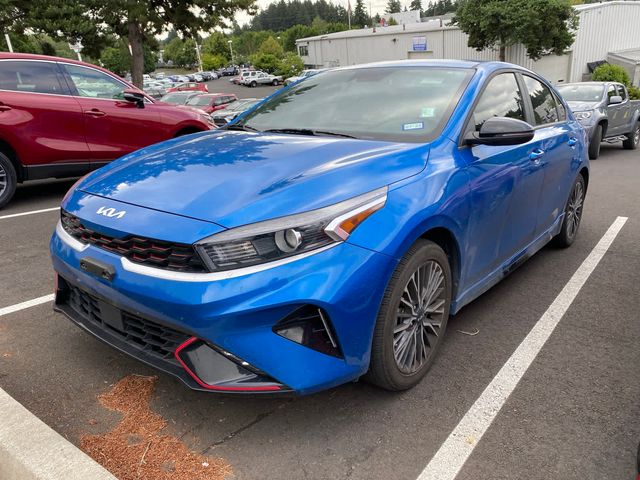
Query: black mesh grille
[(144, 335), (154, 253)]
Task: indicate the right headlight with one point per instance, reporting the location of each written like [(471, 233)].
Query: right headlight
[(284, 237), (583, 115)]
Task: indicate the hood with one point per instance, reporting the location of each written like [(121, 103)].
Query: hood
[(578, 106), (235, 178)]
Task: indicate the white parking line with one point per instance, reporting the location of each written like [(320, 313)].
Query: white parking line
[(29, 303), (454, 452), (13, 215)]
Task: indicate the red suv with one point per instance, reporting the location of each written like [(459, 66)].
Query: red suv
[(189, 87), (61, 118), (211, 102)]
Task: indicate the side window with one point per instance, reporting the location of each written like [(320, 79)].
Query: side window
[(94, 84), (501, 98), (544, 105), (562, 113), (622, 92), (31, 77), (218, 101), (611, 91)]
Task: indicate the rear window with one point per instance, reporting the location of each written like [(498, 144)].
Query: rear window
[(30, 77), (200, 101), (403, 104)]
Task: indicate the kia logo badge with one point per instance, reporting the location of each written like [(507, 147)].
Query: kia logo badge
[(111, 212)]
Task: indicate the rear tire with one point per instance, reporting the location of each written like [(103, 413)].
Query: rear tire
[(8, 180), (276, 83), (572, 214), (412, 319), (253, 84), (594, 144), (632, 141)]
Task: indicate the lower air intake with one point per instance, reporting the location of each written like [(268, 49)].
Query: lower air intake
[(310, 326)]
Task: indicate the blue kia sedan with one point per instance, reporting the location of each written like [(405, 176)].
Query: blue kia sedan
[(328, 233)]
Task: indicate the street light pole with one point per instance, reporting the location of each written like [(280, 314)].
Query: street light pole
[(9, 46), (231, 49)]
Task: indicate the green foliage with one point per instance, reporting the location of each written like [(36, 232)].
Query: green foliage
[(290, 65), (248, 43), (393, 6), (266, 61), (216, 44), (392, 21), (440, 7), (292, 34), (542, 26), (415, 5), (116, 59), (634, 93), (181, 52), (282, 15), (611, 73), (271, 47), (213, 62), (360, 17)]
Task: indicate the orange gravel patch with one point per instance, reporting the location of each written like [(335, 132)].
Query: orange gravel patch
[(135, 449)]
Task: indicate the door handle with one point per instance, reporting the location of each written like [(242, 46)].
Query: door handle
[(536, 154), (572, 141), (4, 108), (94, 112)]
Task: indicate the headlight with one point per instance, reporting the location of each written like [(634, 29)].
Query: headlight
[(284, 237), (582, 115)]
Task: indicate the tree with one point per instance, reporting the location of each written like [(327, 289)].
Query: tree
[(542, 26), (292, 34), (216, 44), (266, 61), (139, 21), (393, 6), (181, 52), (290, 65), (415, 5), (213, 62), (360, 17), (392, 21), (272, 47), (611, 73)]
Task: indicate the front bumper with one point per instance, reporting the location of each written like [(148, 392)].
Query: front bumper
[(235, 316)]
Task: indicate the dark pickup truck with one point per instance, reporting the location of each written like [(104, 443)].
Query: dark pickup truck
[(605, 111)]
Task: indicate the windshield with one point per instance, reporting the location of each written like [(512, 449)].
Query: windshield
[(200, 101), (175, 98), (581, 93), (403, 104), (240, 105)]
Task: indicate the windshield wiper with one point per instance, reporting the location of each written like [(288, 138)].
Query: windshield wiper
[(308, 131), (242, 127)]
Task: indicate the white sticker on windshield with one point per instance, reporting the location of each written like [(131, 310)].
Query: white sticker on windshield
[(413, 126), (428, 112)]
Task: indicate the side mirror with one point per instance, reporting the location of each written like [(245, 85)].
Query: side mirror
[(501, 131), (134, 96), (615, 100)]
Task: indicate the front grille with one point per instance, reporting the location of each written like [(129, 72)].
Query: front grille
[(143, 335), (154, 253)]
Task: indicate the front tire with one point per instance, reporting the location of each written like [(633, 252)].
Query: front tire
[(8, 180), (276, 83), (572, 214), (633, 140), (412, 319), (253, 84), (594, 144)]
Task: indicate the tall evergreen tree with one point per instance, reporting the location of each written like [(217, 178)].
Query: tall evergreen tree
[(393, 6), (415, 5), (360, 16)]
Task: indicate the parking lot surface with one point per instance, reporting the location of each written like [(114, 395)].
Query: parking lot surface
[(223, 85), (574, 414)]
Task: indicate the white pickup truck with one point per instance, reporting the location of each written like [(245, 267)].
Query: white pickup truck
[(253, 79)]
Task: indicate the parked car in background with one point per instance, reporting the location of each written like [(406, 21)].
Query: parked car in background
[(211, 102), (260, 78), (315, 241), (304, 74), (605, 111), (159, 75), (75, 117), (229, 71), (234, 110), (154, 89), (198, 77), (189, 87), (179, 98)]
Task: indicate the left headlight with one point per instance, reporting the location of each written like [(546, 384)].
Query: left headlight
[(583, 115), (284, 237)]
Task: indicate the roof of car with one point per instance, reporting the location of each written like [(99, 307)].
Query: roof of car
[(32, 56), (488, 66)]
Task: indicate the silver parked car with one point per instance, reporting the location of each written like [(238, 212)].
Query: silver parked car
[(260, 78)]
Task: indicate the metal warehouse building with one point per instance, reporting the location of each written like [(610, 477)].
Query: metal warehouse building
[(607, 31)]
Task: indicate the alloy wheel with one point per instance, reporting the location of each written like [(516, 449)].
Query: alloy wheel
[(419, 318), (574, 209), (636, 136), (3, 180)]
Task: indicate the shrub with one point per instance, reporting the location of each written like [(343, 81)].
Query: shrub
[(290, 65), (634, 93), (213, 62), (266, 62), (611, 73)]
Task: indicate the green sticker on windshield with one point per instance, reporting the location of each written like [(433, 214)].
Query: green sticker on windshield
[(428, 112)]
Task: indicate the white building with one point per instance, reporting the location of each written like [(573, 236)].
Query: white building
[(604, 28)]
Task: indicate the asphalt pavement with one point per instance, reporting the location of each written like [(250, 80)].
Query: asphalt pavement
[(223, 85), (575, 414)]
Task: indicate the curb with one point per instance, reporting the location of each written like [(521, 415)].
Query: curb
[(31, 450)]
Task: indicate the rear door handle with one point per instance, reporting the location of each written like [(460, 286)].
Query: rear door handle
[(94, 112), (536, 154), (572, 141), (4, 108)]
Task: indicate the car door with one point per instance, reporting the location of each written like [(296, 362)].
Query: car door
[(625, 110), (558, 143), (40, 119), (505, 183), (613, 112), (113, 126)]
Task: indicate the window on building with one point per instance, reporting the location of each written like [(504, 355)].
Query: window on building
[(303, 50), (544, 105), (501, 98)]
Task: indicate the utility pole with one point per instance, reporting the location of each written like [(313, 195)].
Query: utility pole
[(6, 37), (198, 55), (231, 49)]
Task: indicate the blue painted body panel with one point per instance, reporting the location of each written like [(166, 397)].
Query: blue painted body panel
[(498, 204)]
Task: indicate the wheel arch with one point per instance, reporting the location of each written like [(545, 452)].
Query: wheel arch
[(584, 171), (186, 130), (605, 125), (445, 239), (10, 152)]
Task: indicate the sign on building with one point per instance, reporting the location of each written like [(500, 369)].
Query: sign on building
[(419, 44)]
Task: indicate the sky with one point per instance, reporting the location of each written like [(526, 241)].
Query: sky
[(376, 6)]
